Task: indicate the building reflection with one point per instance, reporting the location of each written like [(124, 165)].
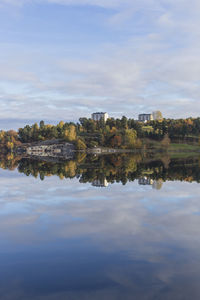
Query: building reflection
[(156, 184), (145, 181), (100, 182)]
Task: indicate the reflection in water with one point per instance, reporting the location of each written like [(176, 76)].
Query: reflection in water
[(101, 171), (100, 182), (145, 181), (156, 184), (60, 239)]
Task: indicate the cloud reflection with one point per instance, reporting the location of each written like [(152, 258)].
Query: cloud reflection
[(149, 238)]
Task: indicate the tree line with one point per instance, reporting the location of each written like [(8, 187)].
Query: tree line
[(116, 133)]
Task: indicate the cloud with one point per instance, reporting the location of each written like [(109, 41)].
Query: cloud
[(148, 60), (100, 3)]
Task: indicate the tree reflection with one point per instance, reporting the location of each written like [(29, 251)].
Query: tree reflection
[(103, 170)]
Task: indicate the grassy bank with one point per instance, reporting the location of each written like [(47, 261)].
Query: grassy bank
[(183, 150), (172, 149), (184, 147)]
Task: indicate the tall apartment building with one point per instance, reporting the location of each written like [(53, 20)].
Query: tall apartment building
[(145, 117), (100, 116)]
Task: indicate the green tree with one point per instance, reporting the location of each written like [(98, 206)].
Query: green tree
[(129, 137)]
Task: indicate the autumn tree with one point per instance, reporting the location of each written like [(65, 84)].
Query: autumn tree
[(157, 115), (166, 141), (80, 145)]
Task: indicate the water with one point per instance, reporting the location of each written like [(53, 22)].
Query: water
[(65, 239)]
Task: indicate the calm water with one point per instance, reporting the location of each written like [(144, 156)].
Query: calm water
[(65, 239)]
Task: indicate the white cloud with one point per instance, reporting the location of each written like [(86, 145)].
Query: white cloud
[(155, 64)]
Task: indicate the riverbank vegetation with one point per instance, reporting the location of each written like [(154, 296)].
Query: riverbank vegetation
[(114, 133), (8, 141)]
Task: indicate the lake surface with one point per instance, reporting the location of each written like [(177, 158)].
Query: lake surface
[(123, 230)]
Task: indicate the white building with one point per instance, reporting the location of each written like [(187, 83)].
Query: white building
[(145, 117), (100, 116)]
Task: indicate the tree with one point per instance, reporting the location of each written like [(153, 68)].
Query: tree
[(61, 124), (72, 133), (124, 122), (80, 145), (83, 122), (166, 141), (41, 124), (116, 141), (157, 115), (129, 138)]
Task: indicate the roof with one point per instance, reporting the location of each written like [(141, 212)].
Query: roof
[(99, 113), (145, 114)]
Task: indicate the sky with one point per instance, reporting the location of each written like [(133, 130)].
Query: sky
[(64, 59)]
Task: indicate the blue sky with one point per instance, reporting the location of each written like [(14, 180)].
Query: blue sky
[(63, 59)]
